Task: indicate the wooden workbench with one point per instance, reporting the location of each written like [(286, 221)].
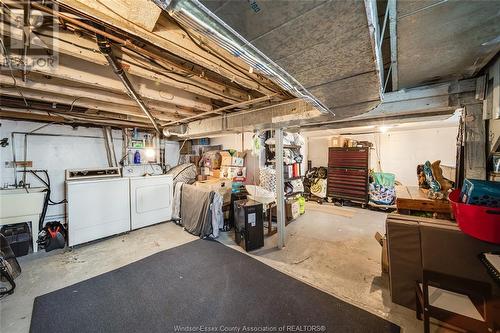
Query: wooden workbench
[(413, 198)]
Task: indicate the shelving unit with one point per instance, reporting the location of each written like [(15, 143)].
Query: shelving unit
[(141, 144), (271, 161)]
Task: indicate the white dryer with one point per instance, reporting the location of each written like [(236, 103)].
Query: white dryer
[(150, 200)]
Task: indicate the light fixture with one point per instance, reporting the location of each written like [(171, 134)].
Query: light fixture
[(383, 129), (150, 153)]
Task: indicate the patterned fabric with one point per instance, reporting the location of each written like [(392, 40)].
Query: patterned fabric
[(176, 210), (318, 187), (267, 178), (185, 173), (382, 195), (430, 178), (217, 215)]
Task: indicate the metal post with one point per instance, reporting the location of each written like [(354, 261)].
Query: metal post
[(280, 188), (394, 42)]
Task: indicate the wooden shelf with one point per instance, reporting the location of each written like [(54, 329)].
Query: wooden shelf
[(274, 162), (293, 194), (286, 146)]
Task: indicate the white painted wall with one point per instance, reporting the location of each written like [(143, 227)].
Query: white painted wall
[(172, 153), (58, 153), (55, 154), (399, 151)]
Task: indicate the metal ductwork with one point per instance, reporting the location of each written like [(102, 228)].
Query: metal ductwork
[(105, 48), (181, 131), (193, 15)]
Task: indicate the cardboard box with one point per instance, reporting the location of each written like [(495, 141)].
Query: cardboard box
[(337, 141), (292, 210), (237, 159), (195, 160), (205, 171), (230, 172), (384, 257)]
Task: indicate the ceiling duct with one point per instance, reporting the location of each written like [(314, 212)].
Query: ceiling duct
[(193, 15)]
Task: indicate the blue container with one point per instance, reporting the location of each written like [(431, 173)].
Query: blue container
[(137, 157), (481, 193)]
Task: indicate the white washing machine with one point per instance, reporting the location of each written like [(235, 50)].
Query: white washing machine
[(150, 200), (98, 204)]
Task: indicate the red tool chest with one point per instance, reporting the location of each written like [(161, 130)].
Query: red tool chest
[(348, 173)]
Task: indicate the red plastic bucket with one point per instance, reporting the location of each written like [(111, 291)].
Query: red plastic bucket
[(477, 221)]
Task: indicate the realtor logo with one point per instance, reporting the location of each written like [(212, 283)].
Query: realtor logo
[(29, 37)]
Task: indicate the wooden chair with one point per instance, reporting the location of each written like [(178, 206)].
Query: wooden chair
[(460, 302)]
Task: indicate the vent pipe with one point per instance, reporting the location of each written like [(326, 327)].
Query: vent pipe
[(105, 48)]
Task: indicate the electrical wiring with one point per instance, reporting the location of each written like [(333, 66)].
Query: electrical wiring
[(67, 42), (149, 69), (213, 52), (114, 29), (73, 103), (151, 58), (6, 55), (126, 43), (177, 80), (146, 68)]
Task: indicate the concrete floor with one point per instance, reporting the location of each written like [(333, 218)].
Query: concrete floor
[(330, 248)]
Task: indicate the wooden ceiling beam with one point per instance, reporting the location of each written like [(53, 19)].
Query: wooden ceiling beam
[(71, 45), (143, 68), (67, 117), (82, 72), (59, 87), (11, 113), (173, 39), (94, 106)]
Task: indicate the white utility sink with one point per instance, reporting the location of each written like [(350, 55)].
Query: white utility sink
[(19, 205)]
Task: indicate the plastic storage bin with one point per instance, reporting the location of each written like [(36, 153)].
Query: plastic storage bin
[(477, 221), (481, 192)]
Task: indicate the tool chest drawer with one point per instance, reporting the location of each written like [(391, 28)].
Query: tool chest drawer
[(348, 174)]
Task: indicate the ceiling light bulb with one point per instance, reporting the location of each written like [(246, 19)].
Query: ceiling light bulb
[(150, 153), (383, 129)]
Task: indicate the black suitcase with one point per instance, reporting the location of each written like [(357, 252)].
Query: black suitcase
[(249, 224)]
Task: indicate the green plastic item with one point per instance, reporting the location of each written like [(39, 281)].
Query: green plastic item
[(302, 205), (384, 179)]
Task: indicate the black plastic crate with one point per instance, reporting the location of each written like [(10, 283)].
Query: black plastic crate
[(19, 238)]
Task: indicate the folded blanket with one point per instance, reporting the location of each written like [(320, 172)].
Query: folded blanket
[(217, 215), (176, 210), (196, 211)]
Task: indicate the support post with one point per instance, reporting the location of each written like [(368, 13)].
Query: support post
[(394, 42), (474, 142), (280, 187)]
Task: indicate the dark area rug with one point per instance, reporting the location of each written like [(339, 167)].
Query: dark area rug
[(199, 286)]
